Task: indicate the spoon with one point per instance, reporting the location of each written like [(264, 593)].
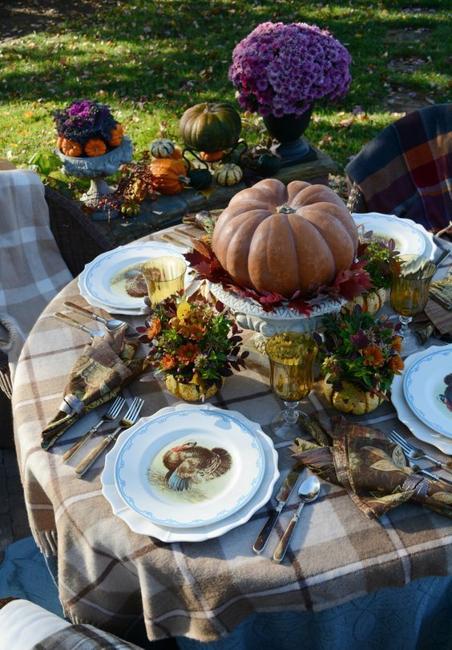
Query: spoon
[(308, 492), (112, 324)]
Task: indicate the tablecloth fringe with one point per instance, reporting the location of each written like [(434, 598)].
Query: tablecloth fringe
[(47, 541)]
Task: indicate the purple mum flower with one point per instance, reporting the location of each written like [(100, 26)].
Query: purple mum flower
[(298, 63)]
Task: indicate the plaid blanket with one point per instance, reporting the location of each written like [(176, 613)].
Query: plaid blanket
[(407, 169), (83, 637), (32, 270), (112, 577)]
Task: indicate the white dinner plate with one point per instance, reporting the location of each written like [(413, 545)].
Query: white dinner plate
[(143, 526), (409, 237), (425, 385), (96, 278), (420, 430), (189, 467)]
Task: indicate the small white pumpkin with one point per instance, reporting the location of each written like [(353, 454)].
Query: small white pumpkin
[(370, 302), (228, 174), (162, 148)]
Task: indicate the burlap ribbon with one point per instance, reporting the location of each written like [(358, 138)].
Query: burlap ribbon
[(372, 469), (106, 365)]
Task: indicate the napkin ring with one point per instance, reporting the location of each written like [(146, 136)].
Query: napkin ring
[(71, 405)]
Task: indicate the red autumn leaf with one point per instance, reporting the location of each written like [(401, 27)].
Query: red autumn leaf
[(352, 282)]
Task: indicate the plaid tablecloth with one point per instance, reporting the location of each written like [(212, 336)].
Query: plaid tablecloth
[(111, 577)]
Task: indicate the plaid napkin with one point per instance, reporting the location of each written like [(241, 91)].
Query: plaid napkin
[(104, 367), (372, 469)]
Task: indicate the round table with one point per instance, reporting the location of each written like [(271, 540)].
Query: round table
[(112, 577)]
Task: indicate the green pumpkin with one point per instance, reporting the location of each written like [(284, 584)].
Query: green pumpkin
[(210, 127), (200, 179), (162, 148), (228, 174)]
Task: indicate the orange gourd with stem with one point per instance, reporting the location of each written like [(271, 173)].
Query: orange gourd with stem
[(95, 147), (168, 175), (70, 148), (116, 135)]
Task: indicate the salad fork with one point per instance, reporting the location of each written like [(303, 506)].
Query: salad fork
[(127, 421), (112, 413), (415, 453)]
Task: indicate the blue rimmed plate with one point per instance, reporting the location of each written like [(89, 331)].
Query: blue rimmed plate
[(189, 466), (427, 387)]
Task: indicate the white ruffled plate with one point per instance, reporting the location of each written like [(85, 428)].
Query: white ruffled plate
[(190, 466), (424, 388), (142, 525), (95, 280), (410, 237), (420, 430)]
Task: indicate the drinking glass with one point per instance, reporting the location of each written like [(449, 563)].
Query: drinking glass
[(410, 284), (164, 277), (292, 357)]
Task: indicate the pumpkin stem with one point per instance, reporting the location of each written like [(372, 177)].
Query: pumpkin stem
[(285, 209)]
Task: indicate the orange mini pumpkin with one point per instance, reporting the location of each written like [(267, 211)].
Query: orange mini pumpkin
[(70, 148), (168, 175), (95, 147), (116, 135), (211, 156)]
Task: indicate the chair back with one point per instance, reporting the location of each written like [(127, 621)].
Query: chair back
[(407, 169)]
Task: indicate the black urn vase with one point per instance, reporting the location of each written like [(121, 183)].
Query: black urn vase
[(288, 130)]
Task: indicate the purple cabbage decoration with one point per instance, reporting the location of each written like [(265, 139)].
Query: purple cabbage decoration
[(281, 69), (83, 120)]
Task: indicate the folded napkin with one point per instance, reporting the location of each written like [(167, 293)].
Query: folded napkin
[(104, 367), (441, 291), (372, 469)]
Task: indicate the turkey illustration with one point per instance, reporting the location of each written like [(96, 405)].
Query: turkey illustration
[(189, 463)]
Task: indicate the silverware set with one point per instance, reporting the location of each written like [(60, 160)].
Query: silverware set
[(414, 454), (308, 492), (111, 324), (112, 414)]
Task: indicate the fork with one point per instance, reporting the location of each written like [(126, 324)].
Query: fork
[(112, 413), (414, 453), (127, 421), (74, 323)]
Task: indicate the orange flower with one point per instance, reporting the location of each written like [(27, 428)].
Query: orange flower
[(187, 353), (396, 364), (397, 343), (193, 331), (373, 356), (167, 362), (154, 329)]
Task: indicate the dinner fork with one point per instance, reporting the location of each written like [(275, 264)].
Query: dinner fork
[(127, 421), (112, 413), (415, 453)]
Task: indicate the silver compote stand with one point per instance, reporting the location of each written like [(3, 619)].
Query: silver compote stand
[(250, 315), (97, 169)]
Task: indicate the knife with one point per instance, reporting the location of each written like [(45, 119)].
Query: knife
[(282, 498)]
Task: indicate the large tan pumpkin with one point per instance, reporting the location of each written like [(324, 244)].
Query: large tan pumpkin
[(281, 239)]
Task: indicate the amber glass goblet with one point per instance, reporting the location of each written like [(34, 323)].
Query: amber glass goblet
[(164, 277), (292, 357), (410, 284)]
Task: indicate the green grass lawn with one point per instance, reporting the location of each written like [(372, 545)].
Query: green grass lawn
[(150, 60)]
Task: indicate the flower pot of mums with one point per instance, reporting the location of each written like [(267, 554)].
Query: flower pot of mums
[(280, 71), (193, 344), (361, 357), (91, 144)]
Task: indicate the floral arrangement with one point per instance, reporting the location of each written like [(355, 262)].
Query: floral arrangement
[(362, 350), (192, 342), (281, 69), (378, 257), (87, 128)]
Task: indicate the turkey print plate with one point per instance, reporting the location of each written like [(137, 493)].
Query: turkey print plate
[(189, 467)]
